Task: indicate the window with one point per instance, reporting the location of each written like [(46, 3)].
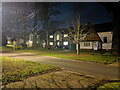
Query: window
[(37, 42), (91, 34), (65, 35), (58, 43), (87, 44), (105, 39), (8, 42), (51, 43), (51, 36), (58, 37), (37, 36), (65, 43)]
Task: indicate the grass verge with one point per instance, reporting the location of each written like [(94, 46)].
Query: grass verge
[(85, 55), (98, 58), (115, 86), (17, 69)]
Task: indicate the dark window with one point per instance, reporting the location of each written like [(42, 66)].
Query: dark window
[(105, 39), (86, 44), (91, 34)]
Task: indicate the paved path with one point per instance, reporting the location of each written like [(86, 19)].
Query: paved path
[(89, 68)]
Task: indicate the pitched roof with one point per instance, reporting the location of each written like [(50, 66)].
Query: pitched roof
[(92, 35)]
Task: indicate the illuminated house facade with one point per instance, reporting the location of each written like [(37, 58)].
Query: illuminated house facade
[(59, 40), (98, 37), (97, 40), (94, 39), (30, 39)]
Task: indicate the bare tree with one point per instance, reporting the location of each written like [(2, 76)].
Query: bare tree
[(48, 11), (77, 32), (114, 9), (16, 22)]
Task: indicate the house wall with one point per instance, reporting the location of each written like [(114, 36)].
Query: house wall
[(109, 36), (55, 36), (82, 45), (93, 45)]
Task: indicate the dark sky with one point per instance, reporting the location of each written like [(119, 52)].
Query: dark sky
[(90, 12)]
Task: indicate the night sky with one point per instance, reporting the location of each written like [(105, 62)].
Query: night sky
[(92, 12)]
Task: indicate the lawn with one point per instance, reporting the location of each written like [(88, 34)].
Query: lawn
[(85, 56), (17, 69), (31, 49), (114, 86)]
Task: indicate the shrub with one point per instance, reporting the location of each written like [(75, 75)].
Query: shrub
[(111, 85)]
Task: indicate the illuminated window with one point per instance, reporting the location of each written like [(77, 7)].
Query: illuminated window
[(51, 43), (65, 35), (51, 36), (65, 43), (37, 42), (37, 36), (87, 44), (58, 43), (8, 42), (58, 37)]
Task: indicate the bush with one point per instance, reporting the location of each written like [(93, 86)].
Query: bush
[(107, 54), (111, 85), (19, 47)]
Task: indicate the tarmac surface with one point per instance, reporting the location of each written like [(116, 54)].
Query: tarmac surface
[(86, 68)]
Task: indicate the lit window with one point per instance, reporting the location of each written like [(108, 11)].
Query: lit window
[(58, 43), (65, 43), (37, 36), (51, 43), (86, 44), (37, 42), (30, 42), (51, 36), (65, 35), (8, 42), (58, 37)]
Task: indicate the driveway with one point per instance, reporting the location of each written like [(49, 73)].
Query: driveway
[(88, 68)]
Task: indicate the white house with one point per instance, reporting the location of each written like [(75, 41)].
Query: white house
[(92, 40), (97, 40), (106, 38)]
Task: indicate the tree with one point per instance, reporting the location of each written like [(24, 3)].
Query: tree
[(48, 10), (114, 7), (77, 32), (15, 20), (42, 11)]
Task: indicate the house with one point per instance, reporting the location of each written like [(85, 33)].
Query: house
[(97, 40), (98, 37), (59, 39), (91, 40), (12, 41), (30, 39)]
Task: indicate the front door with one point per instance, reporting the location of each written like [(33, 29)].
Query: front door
[(99, 45), (58, 43)]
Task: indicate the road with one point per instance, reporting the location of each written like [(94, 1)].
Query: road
[(87, 68)]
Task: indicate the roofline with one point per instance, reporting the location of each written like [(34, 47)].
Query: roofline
[(105, 31)]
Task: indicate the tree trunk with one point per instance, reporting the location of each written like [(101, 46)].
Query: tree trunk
[(116, 32), (47, 37), (35, 32), (34, 39), (78, 48)]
